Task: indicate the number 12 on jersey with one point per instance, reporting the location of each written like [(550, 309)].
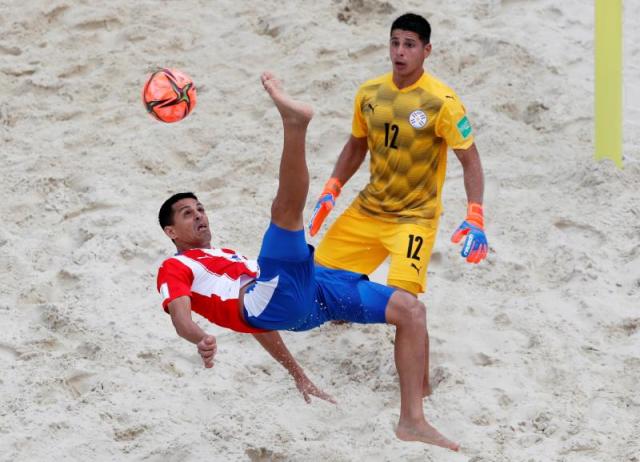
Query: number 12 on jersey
[(394, 135)]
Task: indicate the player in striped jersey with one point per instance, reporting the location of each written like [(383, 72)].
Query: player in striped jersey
[(283, 290)]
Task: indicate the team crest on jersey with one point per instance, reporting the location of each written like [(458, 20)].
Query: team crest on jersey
[(418, 119)]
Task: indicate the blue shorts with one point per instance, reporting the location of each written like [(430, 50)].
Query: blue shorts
[(292, 293), (346, 296), (282, 296)]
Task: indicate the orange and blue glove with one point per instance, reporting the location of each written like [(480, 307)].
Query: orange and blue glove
[(325, 203), (475, 246)]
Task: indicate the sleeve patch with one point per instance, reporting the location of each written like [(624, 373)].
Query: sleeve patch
[(464, 127)]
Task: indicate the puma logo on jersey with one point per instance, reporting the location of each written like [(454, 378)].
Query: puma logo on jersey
[(414, 266)]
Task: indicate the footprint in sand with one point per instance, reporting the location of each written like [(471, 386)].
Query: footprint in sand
[(88, 350), (264, 455), (543, 423), (57, 319), (19, 71), (359, 10), (79, 383), (36, 348), (483, 418), (56, 13), (503, 399), (130, 433), (481, 359), (579, 235), (531, 114), (501, 320), (626, 328), (42, 84), (439, 375), (486, 8), (93, 207), (107, 23), (77, 70), (67, 279), (270, 27), (13, 51), (8, 354)]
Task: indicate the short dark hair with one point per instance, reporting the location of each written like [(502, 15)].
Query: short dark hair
[(413, 23), (165, 216)]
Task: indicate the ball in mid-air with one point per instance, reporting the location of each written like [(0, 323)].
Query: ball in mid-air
[(169, 95)]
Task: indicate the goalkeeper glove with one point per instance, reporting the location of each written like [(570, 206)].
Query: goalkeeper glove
[(475, 246), (325, 203)]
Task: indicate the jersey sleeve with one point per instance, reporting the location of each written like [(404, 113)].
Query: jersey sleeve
[(453, 124), (358, 125), (174, 280)]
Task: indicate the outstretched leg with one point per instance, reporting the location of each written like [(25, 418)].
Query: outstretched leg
[(409, 316), (293, 186)]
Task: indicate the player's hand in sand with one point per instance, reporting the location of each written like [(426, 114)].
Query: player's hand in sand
[(308, 389), (207, 348)]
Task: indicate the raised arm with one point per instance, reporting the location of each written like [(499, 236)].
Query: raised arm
[(180, 310), (273, 343)]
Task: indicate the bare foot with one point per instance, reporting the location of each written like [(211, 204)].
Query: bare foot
[(425, 433), (292, 111)]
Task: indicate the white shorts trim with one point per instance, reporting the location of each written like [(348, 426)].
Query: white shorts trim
[(256, 301)]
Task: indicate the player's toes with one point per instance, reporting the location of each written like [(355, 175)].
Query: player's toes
[(266, 76)]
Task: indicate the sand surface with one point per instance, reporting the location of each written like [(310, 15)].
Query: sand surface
[(536, 351)]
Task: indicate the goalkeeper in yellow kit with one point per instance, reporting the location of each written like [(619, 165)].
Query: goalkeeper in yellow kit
[(406, 119)]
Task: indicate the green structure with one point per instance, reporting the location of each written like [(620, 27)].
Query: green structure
[(608, 78)]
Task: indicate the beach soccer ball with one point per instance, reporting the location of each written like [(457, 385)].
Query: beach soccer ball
[(169, 95)]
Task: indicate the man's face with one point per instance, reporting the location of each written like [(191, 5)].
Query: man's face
[(407, 52), (190, 229)]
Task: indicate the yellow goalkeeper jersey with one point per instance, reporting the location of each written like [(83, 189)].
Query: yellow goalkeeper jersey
[(408, 132)]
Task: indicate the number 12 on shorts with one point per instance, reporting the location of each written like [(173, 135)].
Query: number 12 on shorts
[(415, 243)]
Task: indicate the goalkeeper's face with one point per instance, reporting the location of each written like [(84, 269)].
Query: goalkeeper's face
[(190, 228)]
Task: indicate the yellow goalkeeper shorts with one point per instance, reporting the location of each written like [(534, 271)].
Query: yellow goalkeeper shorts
[(360, 243)]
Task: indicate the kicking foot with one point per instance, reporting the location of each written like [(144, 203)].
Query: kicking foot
[(292, 111), (425, 433)]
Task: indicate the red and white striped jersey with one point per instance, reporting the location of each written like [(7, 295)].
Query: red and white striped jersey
[(212, 278)]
